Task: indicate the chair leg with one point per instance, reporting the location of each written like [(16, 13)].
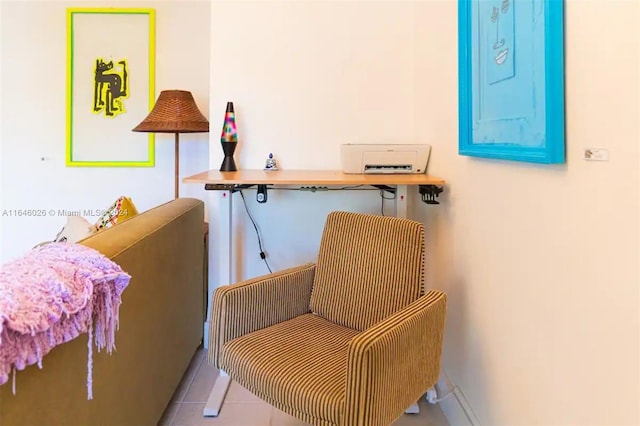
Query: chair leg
[(430, 396), (413, 409), (216, 397)]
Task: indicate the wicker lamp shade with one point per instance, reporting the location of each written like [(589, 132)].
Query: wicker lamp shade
[(175, 111)]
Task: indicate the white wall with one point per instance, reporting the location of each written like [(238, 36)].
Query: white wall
[(541, 262), (33, 97), (306, 77)]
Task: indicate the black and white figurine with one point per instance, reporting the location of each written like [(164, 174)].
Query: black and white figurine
[(271, 163)]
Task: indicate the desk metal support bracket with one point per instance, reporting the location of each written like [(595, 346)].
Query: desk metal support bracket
[(226, 187), (387, 188), (429, 193)]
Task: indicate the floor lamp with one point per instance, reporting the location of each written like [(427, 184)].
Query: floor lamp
[(176, 112)]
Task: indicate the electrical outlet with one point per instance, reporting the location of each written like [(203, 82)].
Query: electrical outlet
[(596, 154), (261, 195)]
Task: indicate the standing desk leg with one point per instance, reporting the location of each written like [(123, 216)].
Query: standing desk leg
[(401, 211), (225, 232), (401, 201)]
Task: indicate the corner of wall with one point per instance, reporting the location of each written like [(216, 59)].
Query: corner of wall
[(455, 406)]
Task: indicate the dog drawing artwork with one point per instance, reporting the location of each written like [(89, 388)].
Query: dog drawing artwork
[(110, 87)]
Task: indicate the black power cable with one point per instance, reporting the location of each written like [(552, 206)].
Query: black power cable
[(262, 255), (382, 198)]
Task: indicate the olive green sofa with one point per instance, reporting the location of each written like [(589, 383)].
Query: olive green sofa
[(161, 327)]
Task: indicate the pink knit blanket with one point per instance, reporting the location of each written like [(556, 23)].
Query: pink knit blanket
[(52, 295)]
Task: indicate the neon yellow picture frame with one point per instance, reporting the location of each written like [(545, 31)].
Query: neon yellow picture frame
[(110, 86)]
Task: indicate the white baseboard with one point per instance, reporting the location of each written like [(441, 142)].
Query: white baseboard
[(205, 336), (455, 407)]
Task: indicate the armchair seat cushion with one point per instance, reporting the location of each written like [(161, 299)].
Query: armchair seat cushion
[(297, 365)]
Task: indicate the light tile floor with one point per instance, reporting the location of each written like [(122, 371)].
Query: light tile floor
[(242, 408)]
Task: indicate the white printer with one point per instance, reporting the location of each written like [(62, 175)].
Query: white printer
[(384, 158)]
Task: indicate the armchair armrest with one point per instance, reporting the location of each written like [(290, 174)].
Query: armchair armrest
[(258, 303), (394, 362)]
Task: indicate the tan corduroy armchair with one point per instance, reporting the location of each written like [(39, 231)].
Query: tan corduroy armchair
[(350, 340)]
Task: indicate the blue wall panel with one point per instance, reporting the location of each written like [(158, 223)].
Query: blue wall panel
[(511, 69)]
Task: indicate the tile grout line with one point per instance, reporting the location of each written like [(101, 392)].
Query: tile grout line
[(178, 403), (174, 415), (201, 365), (191, 380), (181, 401)]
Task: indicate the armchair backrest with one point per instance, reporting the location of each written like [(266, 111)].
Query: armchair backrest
[(368, 268)]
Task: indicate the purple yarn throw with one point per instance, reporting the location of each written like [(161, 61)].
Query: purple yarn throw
[(52, 295)]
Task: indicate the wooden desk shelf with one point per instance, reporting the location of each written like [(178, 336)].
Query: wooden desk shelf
[(309, 177)]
